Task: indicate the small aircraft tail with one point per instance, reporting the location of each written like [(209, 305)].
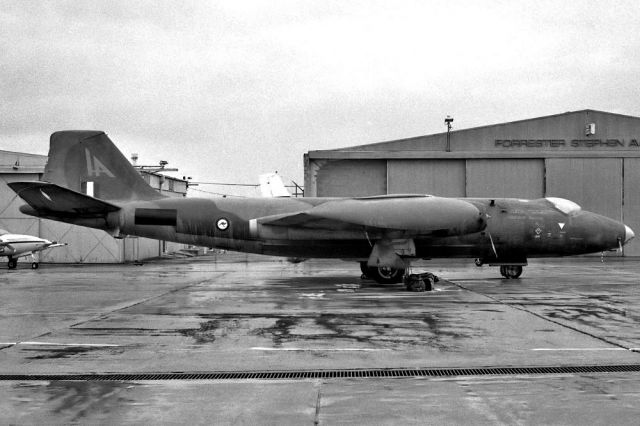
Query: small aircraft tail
[(86, 161), (271, 185)]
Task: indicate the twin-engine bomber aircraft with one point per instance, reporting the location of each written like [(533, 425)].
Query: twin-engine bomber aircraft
[(88, 182)]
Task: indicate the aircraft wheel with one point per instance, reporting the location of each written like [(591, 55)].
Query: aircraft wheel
[(34, 265), (511, 271), (385, 275), (478, 262), (12, 264)]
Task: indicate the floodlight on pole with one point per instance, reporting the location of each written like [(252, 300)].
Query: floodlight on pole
[(447, 121)]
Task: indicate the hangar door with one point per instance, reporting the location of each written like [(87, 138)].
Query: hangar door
[(594, 183), (352, 178), (444, 178), (506, 178), (11, 219)]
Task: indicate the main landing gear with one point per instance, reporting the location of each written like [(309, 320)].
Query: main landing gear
[(13, 262), (382, 274), (386, 275)]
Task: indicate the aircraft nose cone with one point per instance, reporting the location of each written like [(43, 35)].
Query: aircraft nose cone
[(628, 234)]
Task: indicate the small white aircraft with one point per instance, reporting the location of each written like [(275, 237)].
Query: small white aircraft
[(15, 246)]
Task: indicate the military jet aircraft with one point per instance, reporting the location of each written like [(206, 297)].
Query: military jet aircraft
[(15, 246), (88, 182)]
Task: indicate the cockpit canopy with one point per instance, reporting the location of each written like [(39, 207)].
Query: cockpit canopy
[(565, 206)]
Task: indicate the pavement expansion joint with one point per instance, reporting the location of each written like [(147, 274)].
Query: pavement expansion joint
[(522, 308)]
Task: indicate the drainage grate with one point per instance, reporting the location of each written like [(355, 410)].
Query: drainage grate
[(327, 374)]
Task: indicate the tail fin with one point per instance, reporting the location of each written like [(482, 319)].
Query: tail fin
[(86, 161), (271, 185)]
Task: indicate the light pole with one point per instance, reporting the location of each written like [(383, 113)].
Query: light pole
[(447, 121)]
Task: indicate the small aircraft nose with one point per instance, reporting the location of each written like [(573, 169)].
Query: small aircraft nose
[(628, 234)]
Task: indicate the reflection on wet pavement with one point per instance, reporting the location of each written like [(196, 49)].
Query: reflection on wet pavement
[(219, 315)]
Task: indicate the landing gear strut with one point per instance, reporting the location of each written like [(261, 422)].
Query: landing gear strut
[(34, 260), (511, 271), (382, 274)]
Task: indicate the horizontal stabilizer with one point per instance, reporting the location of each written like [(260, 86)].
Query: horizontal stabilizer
[(50, 200)]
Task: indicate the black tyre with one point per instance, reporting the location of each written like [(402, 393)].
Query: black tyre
[(385, 275), (503, 271), (512, 271), (12, 264), (34, 265)]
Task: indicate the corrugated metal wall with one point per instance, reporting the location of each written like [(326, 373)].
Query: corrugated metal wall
[(594, 183), (435, 177), (513, 178), (11, 219), (352, 178), (84, 245)]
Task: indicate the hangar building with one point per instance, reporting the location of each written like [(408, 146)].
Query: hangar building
[(590, 157), (85, 245)]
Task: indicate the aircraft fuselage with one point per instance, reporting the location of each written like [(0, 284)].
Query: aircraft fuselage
[(515, 229)]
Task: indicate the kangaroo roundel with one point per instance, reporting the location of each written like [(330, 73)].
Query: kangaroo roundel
[(222, 224)]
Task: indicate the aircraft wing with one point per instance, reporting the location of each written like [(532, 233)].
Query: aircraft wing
[(48, 199), (411, 215)]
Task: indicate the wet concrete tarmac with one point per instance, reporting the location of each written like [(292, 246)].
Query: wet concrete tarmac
[(247, 313)]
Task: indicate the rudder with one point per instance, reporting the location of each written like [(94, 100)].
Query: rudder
[(85, 159)]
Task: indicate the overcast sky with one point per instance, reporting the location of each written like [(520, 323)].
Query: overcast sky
[(225, 90)]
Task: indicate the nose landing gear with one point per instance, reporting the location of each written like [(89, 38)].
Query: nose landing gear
[(511, 271)]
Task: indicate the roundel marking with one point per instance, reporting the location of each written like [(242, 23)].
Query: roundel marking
[(222, 224)]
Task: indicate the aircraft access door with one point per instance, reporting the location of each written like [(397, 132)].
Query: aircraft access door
[(506, 231)]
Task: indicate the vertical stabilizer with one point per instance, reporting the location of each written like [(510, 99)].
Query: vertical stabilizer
[(271, 185), (87, 161)]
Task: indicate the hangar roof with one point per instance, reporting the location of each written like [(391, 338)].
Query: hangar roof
[(566, 126), (21, 162)]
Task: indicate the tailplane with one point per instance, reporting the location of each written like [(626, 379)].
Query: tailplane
[(51, 201), (87, 162)]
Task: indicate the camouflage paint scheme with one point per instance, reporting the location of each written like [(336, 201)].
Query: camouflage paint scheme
[(379, 229)]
